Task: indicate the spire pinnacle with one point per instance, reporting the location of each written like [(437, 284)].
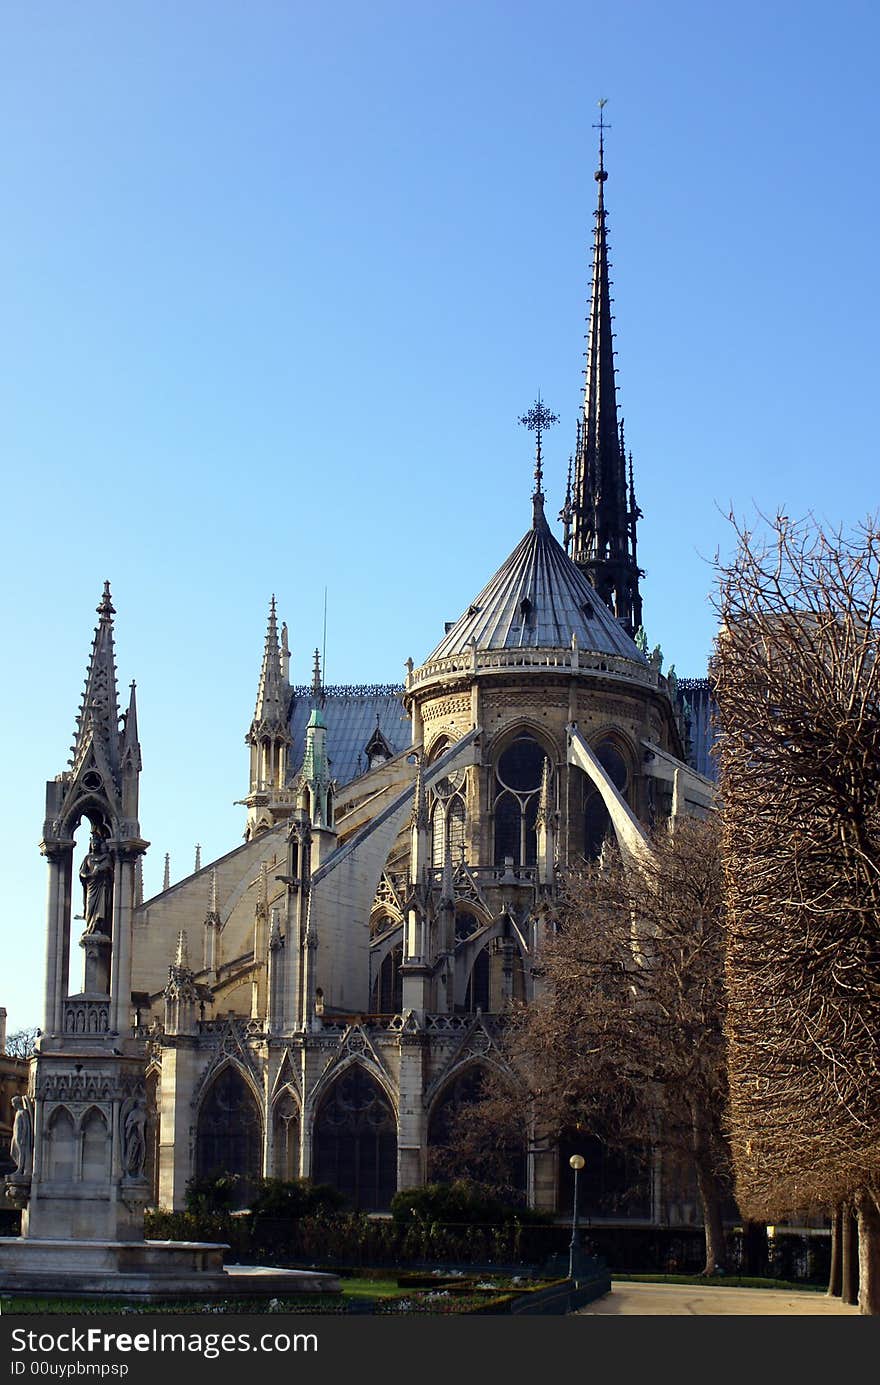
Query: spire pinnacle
[(273, 692), (130, 750), (603, 539), (166, 878), (538, 420), (98, 717), (198, 864), (181, 955), (317, 686), (600, 125)]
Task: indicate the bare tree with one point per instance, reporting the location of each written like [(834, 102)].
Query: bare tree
[(626, 1041), (797, 680), (22, 1043)]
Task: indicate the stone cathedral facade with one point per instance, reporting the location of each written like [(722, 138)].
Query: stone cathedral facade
[(314, 1001)]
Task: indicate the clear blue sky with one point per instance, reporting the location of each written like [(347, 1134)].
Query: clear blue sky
[(277, 280)]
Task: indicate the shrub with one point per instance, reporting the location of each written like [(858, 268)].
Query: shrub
[(295, 1199), (458, 1202), (212, 1193)]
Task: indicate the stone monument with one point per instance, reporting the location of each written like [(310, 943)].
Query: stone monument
[(79, 1135)]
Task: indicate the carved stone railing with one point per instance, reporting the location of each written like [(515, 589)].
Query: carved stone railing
[(489, 875), (448, 1024), (86, 1016), (562, 661), (244, 1027)]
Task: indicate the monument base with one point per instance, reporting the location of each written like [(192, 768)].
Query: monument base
[(143, 1271)]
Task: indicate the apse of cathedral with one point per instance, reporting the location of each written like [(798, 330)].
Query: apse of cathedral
[(315, 1002)]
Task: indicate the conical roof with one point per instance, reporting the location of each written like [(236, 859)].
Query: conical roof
[(538, 599)]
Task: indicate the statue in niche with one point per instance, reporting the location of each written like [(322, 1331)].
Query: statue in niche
[(133, 1118), (21, 1147), (96, 877)]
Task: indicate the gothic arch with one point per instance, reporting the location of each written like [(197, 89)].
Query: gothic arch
[(94, 1145), (468, 953), (211, 1073), (98, 811), (383, 920), (354, 1137), (386, 986), (437, 746), (524, 725), (457, 1088), (229, 1128), (286, 1125), (61, 1145), (491, 1060), (152, 1093), (517, 761), (331, 1073)]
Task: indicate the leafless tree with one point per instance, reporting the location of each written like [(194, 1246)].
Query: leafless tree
[(797, 680), (22, 1043), (626, 1041)]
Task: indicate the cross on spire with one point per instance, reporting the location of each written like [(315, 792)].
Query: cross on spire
[(537, 420), (601, 127)]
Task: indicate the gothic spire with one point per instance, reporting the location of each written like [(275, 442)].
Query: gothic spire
[(317, 685), (273, 692), (129, 744), (98, 719), (604, 514)]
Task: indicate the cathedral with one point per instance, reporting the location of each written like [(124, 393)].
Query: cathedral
[(317, 1000)]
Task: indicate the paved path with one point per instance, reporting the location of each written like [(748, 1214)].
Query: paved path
[(694, 1300)]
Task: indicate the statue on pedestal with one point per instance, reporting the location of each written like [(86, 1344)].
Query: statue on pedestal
[(96, 875), (133, 1119), (21, 1147)]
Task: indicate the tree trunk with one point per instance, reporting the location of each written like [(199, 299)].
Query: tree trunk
[(834, 1274), (869, 1255), (716, 1251), (849, 1256)]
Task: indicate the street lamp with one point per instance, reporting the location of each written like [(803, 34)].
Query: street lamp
[(576, 1162)]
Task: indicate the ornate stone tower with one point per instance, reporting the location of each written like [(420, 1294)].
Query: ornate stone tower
[(601, 515), (83, 1177), (269, 735)]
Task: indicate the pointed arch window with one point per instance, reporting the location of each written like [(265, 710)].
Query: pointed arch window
[(517, 788), (448, 821), (388, 986), (356, 1141), (479, 989), (229, 1135), (286, 1123), (445, 1159)]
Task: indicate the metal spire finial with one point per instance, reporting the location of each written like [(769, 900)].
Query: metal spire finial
[(537, 420), (601, 175), (105, 607)]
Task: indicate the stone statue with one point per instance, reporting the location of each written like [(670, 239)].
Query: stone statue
[(134, 1140), (96, 875), (21, 1146)]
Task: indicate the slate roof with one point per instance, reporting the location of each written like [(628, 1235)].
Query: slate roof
[(538, 598), (350, 714)]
